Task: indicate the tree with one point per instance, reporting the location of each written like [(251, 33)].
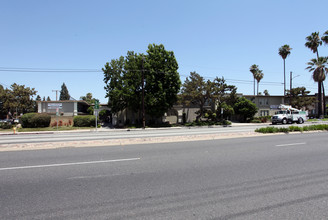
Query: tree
[(258, 76), (266, 92), (18, 98), (123, 79), (38, 98), (197, 91), (2, 97), (48, 99), (88, 98), (284, 51), (64, 94), (245, 108), (300, 98), (254, 70), (324, 38), (194, 92), (319, 69), (313, 42)]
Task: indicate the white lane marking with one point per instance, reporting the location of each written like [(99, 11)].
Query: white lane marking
[(293, 144), (68, 164)]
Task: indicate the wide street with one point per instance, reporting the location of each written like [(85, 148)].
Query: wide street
[(264, 177)]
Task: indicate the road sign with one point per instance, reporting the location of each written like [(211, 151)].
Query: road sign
[(96, 104)]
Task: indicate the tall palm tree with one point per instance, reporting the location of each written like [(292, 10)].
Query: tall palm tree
[(259, 77), (319, 69), (284, 51), (254, 70), (313, 41), (324, 38)]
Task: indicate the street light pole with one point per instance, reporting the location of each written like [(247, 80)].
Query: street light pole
[(291, 85)]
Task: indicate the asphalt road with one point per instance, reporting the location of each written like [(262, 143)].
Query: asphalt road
[(269, 177)]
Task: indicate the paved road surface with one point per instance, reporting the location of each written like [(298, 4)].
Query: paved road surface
[(273, 177)]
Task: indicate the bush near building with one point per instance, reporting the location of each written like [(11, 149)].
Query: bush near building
[(35, 120), (84, 121)]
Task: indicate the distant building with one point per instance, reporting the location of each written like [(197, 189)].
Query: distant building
[(64, 107)]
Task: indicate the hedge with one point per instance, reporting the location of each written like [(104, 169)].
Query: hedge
[(35, 120), (321, 127), (84, 121)]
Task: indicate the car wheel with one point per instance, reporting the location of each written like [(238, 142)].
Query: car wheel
[(300, 121), (284, 121)]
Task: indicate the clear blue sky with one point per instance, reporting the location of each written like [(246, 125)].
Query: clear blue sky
[(213, 38)]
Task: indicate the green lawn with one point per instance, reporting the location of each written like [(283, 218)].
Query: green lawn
[(315, 119)]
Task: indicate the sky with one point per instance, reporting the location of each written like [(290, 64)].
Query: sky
[(41, 38)]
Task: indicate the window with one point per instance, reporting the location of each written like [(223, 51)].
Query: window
[(264, 112), (263, 101)]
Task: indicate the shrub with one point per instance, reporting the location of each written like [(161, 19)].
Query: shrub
[(226, 122), (295, 128), (26, 120), (84, 121), (321, 127), (35, 120), (5, 125)]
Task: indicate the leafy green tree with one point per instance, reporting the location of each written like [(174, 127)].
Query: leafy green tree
[(254, 70), (88, 98), (2, 99), (245, 108), (48, 99), (38, 98), (18, 98), (197, 91), (123, 79), (319, 69), (64, 94), (300, 97), (284, 51)]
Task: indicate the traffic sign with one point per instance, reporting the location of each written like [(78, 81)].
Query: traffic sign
[(96, 104)]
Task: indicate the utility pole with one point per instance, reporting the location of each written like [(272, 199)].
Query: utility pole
[(143, 94), (291, 85), (56, 94), (290, 89)]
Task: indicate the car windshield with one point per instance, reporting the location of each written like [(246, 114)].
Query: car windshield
[(280, 112)]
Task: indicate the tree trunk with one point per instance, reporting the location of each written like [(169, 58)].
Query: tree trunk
[(254, 86), (324, 100), (320, 100), (284, 79)]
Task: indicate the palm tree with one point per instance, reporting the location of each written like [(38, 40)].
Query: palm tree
[(313, 42), (324, 38), (258, 78), (319, 67), (254, 70), (284, 51)]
